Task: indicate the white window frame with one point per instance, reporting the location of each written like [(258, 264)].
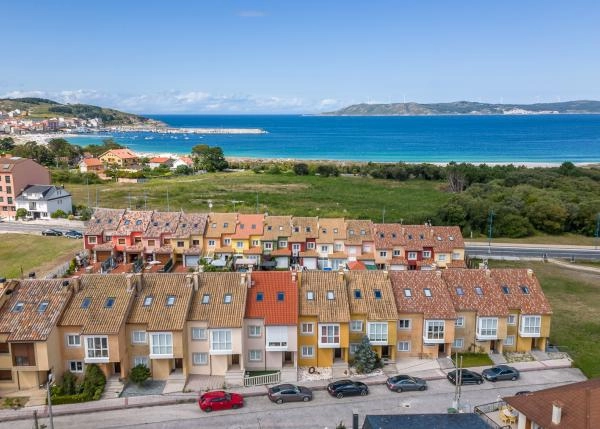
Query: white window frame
[(459, 322), (529, 329), (458, 343), (411, 256), (161, 345), (141, 360), (407, 322), (211, 243), (199, 334), (254, 331), (310, 245), (268, 245), (199, 358), (487, 328), (304, 328), (397, 252), (239, 244), (308, 351), (510, 340), (353, 348), (356, 325), (328, 334), (383, 254), (338, 247), (403, 346), (255, 243), (227, 241), (282, 244), (96, 349), (434, 331), (442, 257), (92, 239), (378, 333), (426, 254), (220, 342), (76, 340), (76, 366), (456, 256), (255, 355), (512, 319), (324, 248), (137, 340)]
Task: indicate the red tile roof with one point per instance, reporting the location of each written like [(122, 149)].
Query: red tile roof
[(524, 290), (356, 266), (92, 162), (273, 311), (462, 284), (248, 225), (437, 306)]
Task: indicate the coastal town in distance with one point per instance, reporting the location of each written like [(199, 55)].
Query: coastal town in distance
[(316, 215)]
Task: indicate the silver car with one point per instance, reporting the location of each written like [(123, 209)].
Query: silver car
[(289, 393)]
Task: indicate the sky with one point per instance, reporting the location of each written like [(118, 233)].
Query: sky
[(284, 56)]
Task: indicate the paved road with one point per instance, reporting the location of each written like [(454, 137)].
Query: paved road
[(533, 251), (31, 228), (324, 411)]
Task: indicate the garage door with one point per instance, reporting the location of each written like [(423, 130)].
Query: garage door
[(191, 260)]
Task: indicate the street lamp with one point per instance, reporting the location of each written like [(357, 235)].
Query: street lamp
[(597, 229), (491, 228), (48, 385)]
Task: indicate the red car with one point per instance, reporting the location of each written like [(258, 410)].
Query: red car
[(219, 400)]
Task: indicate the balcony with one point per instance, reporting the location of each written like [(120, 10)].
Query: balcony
[(23, 354)]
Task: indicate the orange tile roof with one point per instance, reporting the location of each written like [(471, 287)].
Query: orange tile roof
[(269, 284), (437, 306), (281, 252), (92, 162), (159, 160), (248, 225), (304, 228), (356, 266), (462, 287), (253, 251), (162, 223), (217, 313), (320, 283), (29, 324), (387, 235), (358, 231), (220, 223), (366, 283), (530, 300), (121, 153), (309, 254), (104, 220), (331, 229), (134, 221), (277, 226), (191, 224)]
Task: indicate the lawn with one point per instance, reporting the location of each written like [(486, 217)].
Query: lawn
[(282, 194), (575, 300), (21, 253), (470, 360)]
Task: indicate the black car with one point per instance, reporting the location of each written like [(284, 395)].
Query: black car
[(342, 388), (501, 372), (466, 376), (53, 232), (73, 234), (402, 383)]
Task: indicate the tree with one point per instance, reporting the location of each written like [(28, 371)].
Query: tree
[(139, 374), (301, 169), (366, 360), (21, 213), (210, 158), (7, 144)]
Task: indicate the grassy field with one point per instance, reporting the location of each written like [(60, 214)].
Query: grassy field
[(564, 239), (575, 300), (470, 360), (351, 197), (34, 253)]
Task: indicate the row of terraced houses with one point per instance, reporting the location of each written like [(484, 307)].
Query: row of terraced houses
[(226, 323), (263, 241)]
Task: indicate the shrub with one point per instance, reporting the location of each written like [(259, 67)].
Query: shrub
[(69, 383), (366, 360), (58, 214), (21, 213), (139, 374), (93, 380)]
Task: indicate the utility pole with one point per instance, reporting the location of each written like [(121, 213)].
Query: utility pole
[(87, 186), (491, 229), (48, 385), (458, 382), (257, 204), (168, 205), (383, 215), (597, 229)]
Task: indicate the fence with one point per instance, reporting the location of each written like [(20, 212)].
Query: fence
[(259, 380), (493, 407)]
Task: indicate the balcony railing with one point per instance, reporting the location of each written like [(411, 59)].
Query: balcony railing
[(260, 380)]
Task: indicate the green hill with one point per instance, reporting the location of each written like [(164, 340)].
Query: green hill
[(44, 108)]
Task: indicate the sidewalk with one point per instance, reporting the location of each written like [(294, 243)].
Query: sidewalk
[(428, 369)]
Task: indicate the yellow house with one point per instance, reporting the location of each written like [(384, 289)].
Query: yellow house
[(29, 338), (154, 335), (190, 234), (119, 157), (449, 247), (372, 311), (324, 317), (249, 229), (217, 236), (426, 315), (528, 325), (92, 328)]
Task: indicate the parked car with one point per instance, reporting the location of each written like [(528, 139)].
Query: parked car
[(54, 232), (289, 393), (466, 376), (402, 383), (220, 400), (342, 388), (523, 392), (501, 372), (73, 234)]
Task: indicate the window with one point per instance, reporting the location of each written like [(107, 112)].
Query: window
[(427, 292), (426, 254), (280, 296), (97, 348), (255, 355), (254, 331), (220, 340), (205, 298), (86, 302), (138, 337), (148, 300), (357, 294), (170, 300), (487, 327), (254, 243), (353, 348), (199, 358), (225, 224), (239, 244), (307, 328), (530, 325), (140, 360), (356, 325), (377, 293), (456, 256), (404, 324), (324, 248), (397, 252), (18, 307), (161, 344), (478, 290), (404, 346), (110, 302), (459, 322), (310, 245), (510, 340), (199, 334), (407, 293), (268, 245), (75, 366), (151, 243), (73, 340), (308, 351), (42, 306), (227, 298), (458, 343), (259, 296), (442, 257), (180, 244), (91, 239), (195, 243), (121, 241), (310, 295), (412, 256), (505, 289), (282, 244), (524, 289), (338, 247), (330, 335), (330, 294), (211, 243), (383, 254), (434, 331), (227, 241), (512, 319), (378, 332)]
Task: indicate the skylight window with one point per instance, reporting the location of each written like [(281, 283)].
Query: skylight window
[(127, 222), (377, 293), (357, 294), (330, 294), (310, 295), (269, 228), (280, 296), (393, 235), (478, 290), (407, 293), (205, 298), (86, 302), (525, 289), (259, 296), (138, 222), (324, 230), (410, 236), (505, 289), (381, 235), (168, 224), (253, 226), (170, 300), (18, 307), (195, 225), (427, 292), (335, 230), (225, 224), (308, 229), (110, 302), (148, 300), (362, 232), (350, 232), (227, 298), (43, 306), (421, 236), (460, 291)]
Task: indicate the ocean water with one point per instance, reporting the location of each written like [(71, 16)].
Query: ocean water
[(547, 139)]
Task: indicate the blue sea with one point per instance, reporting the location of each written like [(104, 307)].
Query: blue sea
[(547, 139)]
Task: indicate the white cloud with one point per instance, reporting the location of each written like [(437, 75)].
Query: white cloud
[(174, 101)]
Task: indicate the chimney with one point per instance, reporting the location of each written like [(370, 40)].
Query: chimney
[(438, 273), (529, 273), (294, 276), (488, 273), (386, 274), (138, 282), (76, 284), (243, 279), (129, 281), (557, 407), (195, 279), (189, 280)]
